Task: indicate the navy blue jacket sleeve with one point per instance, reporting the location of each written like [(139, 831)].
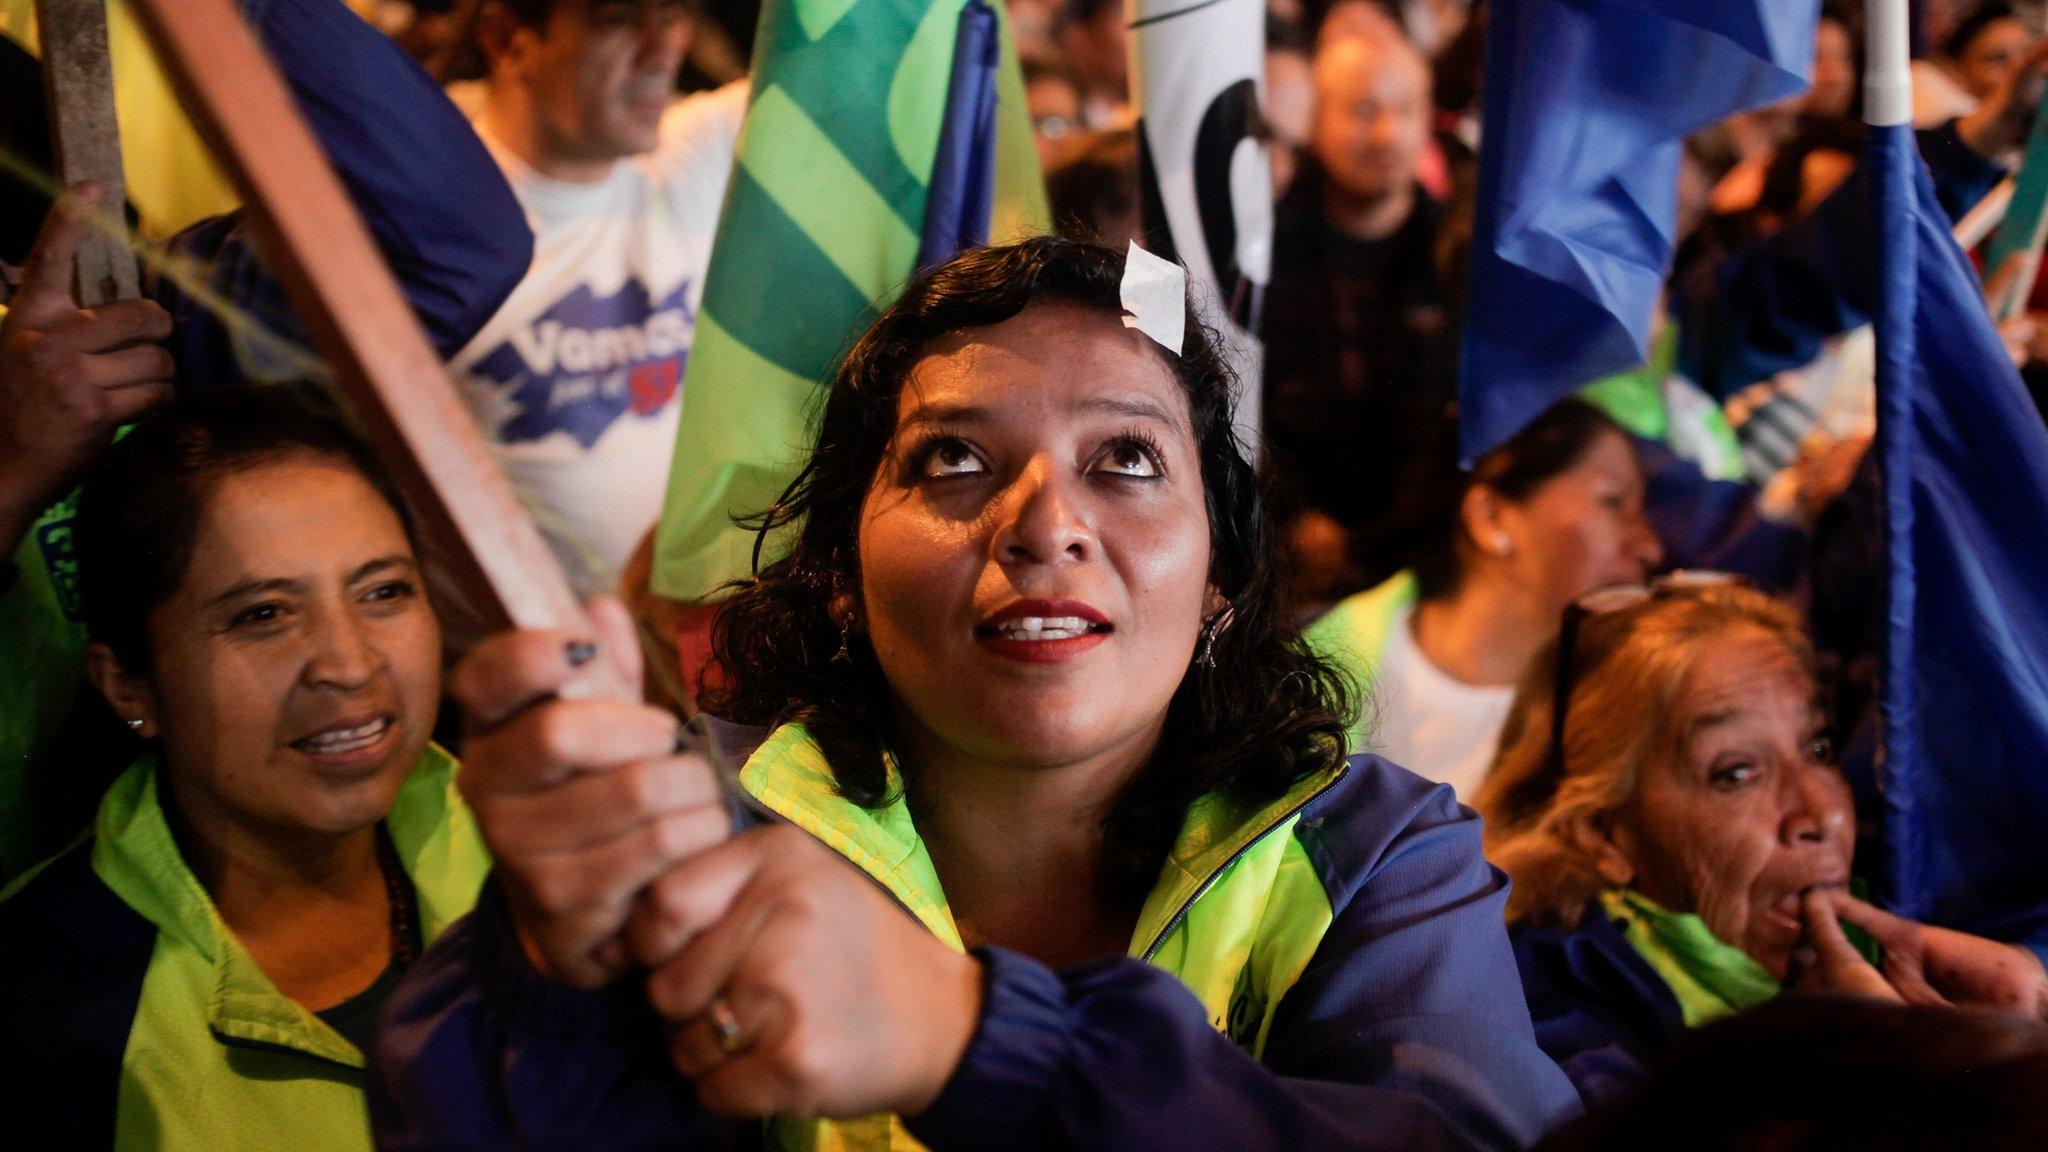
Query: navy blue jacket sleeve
[(1716, 524), (1407, 1031), (478, 1051), (1768, 305), (435, 202)]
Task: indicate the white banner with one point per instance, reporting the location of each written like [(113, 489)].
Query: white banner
[(1198, 75)]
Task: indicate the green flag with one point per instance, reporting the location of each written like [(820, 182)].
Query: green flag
[(819, 231)]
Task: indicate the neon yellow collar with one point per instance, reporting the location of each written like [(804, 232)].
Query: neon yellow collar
[(789, 774)]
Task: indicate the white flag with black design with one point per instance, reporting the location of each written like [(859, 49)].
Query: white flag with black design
[(1198, 73)]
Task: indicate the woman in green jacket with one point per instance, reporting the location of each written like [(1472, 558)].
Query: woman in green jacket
[(202, 970)]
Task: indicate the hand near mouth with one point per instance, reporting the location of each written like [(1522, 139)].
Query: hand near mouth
[(1826, 961), (1923, 964), (1931, 965)]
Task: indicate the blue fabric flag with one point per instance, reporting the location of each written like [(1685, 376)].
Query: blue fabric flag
[(963, 188), (1965, 460), (1587, 105)]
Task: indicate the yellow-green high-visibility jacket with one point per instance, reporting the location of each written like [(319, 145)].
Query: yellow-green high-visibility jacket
[(1353, 636), (1328, 969), (131, 1018)]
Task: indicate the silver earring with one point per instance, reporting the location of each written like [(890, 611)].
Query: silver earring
[(843, 656), (135, 725), (1210, 631)]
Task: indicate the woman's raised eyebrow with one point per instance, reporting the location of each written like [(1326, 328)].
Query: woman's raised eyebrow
[(1136, 407), (252, 587), (1708, 720), (381, 564), (1131, 406), (945, 414)]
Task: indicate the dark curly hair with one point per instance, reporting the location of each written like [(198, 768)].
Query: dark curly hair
[(1267, 714)]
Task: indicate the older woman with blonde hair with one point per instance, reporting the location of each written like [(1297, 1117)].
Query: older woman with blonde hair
[(1667, 803)]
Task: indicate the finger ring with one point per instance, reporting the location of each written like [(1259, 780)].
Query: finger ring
[(725, 1026)]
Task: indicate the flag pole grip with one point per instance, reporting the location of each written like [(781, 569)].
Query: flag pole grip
[(1888, 74)]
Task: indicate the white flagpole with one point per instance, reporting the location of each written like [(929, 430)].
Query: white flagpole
[(1888, 70)]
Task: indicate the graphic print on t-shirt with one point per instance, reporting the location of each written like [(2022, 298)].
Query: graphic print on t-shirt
[(587, 360)]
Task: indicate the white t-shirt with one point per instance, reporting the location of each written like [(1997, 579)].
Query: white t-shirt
[(1430, 723), (577, 380)]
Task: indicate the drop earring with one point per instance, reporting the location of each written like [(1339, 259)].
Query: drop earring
[(844, 656), (1210, 631)]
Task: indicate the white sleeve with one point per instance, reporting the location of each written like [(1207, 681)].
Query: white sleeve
[(694, 157)]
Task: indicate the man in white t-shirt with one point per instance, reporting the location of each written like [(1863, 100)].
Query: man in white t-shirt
[(577, 379)]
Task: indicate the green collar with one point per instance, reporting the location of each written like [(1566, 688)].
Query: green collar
[(1353, 636), (789, 774), (1711, 979), (1634, 399), (1354, 633), (1214, 835), (135, 854)]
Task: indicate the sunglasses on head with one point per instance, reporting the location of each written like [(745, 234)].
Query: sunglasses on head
[(1605, 602)]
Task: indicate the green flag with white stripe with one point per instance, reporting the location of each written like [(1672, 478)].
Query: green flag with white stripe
[(820, 229)]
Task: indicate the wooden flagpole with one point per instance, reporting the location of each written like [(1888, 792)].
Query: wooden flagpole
[(78, 75)]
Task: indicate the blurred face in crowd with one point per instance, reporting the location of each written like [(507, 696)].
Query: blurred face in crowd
[(1938, 18), (1031, 26), (598, 74), (1352, 19), (1055, 108), (296, 669), (1743, 808), (1096, 44), (1991, 56), (1834, 71), (1580, 530), (1371, 116), (1035, 545), (1290, 110)]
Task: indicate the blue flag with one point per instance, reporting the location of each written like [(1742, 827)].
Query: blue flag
[(963, 187), (1587, 105), (1965, 461)]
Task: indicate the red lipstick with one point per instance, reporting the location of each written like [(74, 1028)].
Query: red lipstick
[(1036, 631)]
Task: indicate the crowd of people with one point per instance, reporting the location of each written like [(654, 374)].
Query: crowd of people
[(1077, 775)]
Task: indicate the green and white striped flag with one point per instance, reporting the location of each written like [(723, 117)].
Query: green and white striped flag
[(820, 229)]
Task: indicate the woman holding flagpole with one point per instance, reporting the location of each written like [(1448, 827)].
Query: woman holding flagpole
[(1067, 852)]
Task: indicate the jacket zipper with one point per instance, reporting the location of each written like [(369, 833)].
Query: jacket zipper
[(1181, 914)]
